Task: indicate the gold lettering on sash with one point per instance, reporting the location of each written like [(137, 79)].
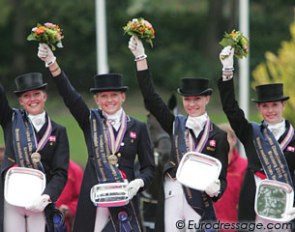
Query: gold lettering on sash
[(274, 166), (17, 140)]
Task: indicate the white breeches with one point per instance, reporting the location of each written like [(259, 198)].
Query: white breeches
[(21, 220), (101, 219), (176, 207)]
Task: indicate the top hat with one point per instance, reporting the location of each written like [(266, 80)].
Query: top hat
[(29, 81), (270, 93), (192, 86), (108, 82)]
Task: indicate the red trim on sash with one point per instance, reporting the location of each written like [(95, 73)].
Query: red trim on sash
[(261, 175), (123, 174)]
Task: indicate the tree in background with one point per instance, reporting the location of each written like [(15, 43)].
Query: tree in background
[(280, 68), (186, 43)]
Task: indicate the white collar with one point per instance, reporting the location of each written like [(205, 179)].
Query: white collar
[(38, 120), (277, 129), (115, 119), (196, 123), (115, 116)]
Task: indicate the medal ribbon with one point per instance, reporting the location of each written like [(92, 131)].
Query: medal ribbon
[(204, 138), (45, 137), (284, 143), (115, 143)]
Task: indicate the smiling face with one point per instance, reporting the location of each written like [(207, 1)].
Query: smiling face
[(195, 105), (33, 101), (110, 101), (272, 112)]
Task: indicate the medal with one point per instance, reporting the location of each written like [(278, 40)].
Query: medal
[(36, 157), (113, 159)]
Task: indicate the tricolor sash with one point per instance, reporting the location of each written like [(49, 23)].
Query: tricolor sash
[(184, 143), (105, 145), (24, 140), (270, 153)]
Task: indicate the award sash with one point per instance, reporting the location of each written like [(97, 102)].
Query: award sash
[(270, 153), (183, 144), (104, 146), (25, 144)]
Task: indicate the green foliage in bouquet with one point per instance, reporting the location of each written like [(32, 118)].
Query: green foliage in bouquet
[(48, 33), (141, 28), (238, 41)]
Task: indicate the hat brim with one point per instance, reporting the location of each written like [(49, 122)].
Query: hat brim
[(96, 90), (283, 98), (18, 92), (203, 93)]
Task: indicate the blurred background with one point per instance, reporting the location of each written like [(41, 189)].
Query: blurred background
[(186, 44)]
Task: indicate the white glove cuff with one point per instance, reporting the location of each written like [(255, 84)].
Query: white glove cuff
[(50, 62), (228, 69), (141, 57), (227, 73)]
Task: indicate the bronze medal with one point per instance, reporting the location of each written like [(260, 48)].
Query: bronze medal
[(36, 157), (113, 159)]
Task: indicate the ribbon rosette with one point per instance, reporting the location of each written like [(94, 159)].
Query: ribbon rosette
[(238, 41), (48, 33), (141, 28)]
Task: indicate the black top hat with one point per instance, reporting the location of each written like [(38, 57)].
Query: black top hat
[(108, 82), (29, 81), (192, 86), (270, 93)]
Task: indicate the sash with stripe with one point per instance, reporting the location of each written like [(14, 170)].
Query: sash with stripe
[(270, 153), (24, 139), (185, 143), (104, 144)]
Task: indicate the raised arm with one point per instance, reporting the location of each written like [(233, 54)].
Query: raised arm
[(71, 97), (153, 101), (5, 109), (234, 113)]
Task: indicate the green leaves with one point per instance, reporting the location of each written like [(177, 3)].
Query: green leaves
[(238, 41)]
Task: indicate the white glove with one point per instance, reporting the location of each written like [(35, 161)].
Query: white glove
[(39, 203), (136, 47), (290, 213), (134, 186), (213, 189), (45, 54), (226, 57)]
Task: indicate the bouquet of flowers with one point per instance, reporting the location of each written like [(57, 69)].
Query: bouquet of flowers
[(238, 41), (141, 28), (48, 33)]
